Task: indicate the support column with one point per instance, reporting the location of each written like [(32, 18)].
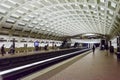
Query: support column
[(118, 47), (118, 44), (111, 49), (13, 45)]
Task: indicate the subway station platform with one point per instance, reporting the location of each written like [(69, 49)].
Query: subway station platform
[(98, 66)]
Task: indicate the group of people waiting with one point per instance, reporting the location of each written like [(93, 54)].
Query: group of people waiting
[(11, 50), (46, 47)]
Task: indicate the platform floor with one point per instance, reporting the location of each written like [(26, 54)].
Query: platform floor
[(97, 66)]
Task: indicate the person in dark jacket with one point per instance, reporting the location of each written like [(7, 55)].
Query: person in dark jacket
[(93, 48), (12, 49), (3, 50)]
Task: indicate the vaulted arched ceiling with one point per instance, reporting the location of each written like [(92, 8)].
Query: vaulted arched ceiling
[(61, 18)]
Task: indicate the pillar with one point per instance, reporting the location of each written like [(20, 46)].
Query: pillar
[(118, 44)]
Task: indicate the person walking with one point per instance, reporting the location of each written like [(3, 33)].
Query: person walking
[(3, 50), (93, 48)]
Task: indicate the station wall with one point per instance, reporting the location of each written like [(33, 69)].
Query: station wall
[(21, 41)]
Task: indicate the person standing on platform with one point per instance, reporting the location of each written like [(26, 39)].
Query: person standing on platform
[(12, 49), (106, 47), (2, 50), (93, 48)]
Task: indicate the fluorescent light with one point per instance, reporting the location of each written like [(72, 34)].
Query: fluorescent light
[(89, 34)]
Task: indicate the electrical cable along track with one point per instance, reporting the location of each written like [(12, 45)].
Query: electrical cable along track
[(17, 67)]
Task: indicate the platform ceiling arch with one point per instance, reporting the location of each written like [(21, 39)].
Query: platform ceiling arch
[(60, 18)]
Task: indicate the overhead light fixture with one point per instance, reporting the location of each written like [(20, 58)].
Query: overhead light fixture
[(90, 34)]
